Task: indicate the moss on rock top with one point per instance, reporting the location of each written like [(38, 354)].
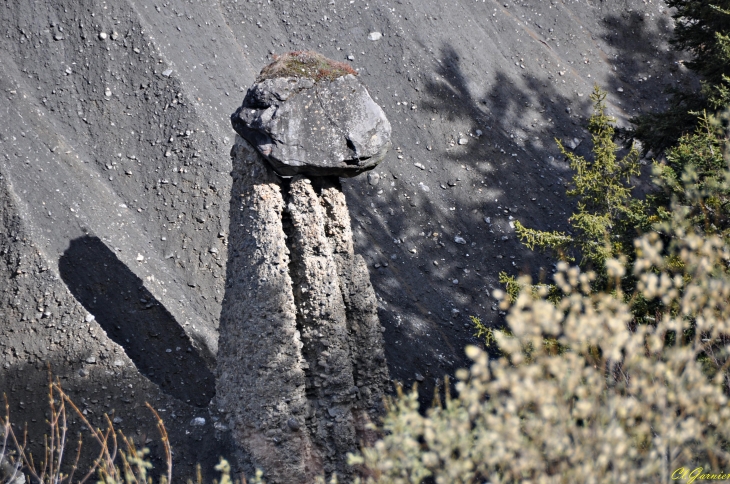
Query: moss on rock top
[(305, 64)]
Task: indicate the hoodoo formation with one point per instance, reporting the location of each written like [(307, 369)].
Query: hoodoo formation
[(116, 198), (301, 365)]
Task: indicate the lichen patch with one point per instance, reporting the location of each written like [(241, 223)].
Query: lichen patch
[(305, 64)]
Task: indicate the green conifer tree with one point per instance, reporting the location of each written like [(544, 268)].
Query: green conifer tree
[(608, 218), (693, 176)]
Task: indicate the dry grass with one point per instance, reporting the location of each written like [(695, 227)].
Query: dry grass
[(117, 461), (111, 465), (305, 64)]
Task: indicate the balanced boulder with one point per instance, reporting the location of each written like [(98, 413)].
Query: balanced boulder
[(309, 115)]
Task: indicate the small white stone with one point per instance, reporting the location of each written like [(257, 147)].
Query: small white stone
[(463, 141), (197, 422), (102, 35), (140, 257), (220, 426), (418, 165), (459, 240), (375, 36)]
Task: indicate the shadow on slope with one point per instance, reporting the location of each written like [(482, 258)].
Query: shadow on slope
[(135, 320), (423, 226), (645, 64), (516, 151)]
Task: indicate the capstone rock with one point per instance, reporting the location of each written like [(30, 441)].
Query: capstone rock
[(314, 127)]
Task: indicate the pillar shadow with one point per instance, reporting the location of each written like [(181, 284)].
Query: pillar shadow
[(135, 320)]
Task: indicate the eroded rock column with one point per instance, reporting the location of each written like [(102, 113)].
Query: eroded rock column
[(322, 321), (260, 376), (301, 368), (366, 334)]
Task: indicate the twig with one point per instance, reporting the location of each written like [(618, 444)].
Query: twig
[(165, 441), (76, 461), (96, 433)]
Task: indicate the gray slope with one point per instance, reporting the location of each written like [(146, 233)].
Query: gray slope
[(460, 64)]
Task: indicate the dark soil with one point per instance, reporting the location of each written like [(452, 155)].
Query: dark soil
[(115, 185)]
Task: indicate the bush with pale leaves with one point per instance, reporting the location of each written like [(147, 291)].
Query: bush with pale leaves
[(614, 401)]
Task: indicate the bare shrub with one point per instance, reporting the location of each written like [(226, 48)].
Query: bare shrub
[(111, 465)]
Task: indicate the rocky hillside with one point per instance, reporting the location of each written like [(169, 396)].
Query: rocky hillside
[(115, 181)]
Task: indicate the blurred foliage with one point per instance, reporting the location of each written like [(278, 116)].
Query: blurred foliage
[(580, 392), (692, 179)]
